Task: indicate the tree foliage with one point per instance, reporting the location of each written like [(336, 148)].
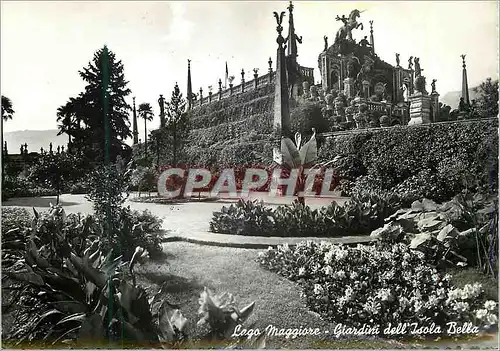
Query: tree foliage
[(82, 117), (487, 102), (7, 109), (170, 142)]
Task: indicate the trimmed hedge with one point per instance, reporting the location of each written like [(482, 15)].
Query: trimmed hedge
[(434, 161)]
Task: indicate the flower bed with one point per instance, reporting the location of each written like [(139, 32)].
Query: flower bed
[(359, 216), (378, 285)]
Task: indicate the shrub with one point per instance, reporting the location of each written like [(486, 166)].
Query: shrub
[(433, 161), (359, 216), (377, 285), (15, 217), (68, 293), (306, 116), (21, 187), (462, 231)]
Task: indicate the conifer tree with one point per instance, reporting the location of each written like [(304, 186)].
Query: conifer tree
[(83, 117)]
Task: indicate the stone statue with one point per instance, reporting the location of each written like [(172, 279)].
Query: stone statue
[(433, 85), (325, 38), (50, 147), (418, 69), (313, 92), (305, 88), (161, 102), (410, 63), (364, 42), (329, 101), (345, 32), (420, 85), (404, 88), (397, 60), (22, 146)]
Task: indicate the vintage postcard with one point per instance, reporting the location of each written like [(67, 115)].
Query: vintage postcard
[(249, 175)]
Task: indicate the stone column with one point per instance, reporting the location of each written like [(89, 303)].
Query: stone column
[(434, 107), (255, 77), (270, 62), (209, 96), (366, 89), (420, 109), (242, 80), (220, 89), (201, 96), (349, 87)]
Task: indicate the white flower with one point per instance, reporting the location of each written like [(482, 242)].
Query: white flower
[(490, 305), (302, 271), (492, 319), (340, 274), (354, 275), (384, 294), (480, 314), (318, 289), (348, 293), (328, 270), (461, 306)]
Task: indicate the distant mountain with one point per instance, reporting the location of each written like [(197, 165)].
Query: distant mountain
[(35, 139), (452, 98)]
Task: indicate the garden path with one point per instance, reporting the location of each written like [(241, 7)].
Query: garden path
[(189, 221)]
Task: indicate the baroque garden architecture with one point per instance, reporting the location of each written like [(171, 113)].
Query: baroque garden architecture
[(358, 89)]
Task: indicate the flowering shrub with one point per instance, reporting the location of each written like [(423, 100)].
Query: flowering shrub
[(377, 285)]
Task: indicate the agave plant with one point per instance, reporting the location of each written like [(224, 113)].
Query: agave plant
[(297, 156)]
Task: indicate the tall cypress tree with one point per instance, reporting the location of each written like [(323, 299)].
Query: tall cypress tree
[(88, 108), (177, 123)]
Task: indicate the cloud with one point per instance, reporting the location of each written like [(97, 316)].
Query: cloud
[(180, 29)]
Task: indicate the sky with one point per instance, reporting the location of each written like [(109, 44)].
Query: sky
[(45, 44)]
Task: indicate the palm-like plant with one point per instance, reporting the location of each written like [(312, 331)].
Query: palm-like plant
[(7, 110), (146, 112)]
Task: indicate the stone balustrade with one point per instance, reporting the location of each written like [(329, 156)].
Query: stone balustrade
[(236, 89)]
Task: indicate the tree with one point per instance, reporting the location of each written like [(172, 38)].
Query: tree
[(145, 112), (7, 113), (94, 103), (177, 123), (7, 110), (54, 170), (487, 101)]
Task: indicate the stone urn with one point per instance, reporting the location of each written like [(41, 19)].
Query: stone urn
[(313, 92), (359, 118), (349, 114), (363, 108), (385, 121), (373, 120), (340, 109), (329, 101), (306, 88)]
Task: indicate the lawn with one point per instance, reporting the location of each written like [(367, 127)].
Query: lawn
[(189, 267)]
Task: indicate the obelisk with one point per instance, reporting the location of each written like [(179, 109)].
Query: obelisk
[(281, 122)]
